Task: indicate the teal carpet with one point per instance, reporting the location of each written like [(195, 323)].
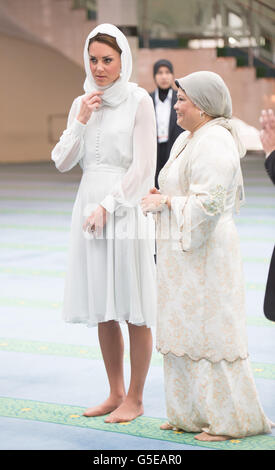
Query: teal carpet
[(51, 371)]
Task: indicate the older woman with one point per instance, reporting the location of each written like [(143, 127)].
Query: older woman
[(111, 134), (201, 308)]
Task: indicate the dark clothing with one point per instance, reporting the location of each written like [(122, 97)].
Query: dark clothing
[(163, 149), (163, 94), (269, 300), (270, 166), (163, 155)]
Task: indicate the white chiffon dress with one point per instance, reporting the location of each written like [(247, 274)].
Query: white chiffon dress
[(201, 325), (112, 276)]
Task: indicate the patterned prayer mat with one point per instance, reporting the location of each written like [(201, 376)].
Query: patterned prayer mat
[(143, 426)]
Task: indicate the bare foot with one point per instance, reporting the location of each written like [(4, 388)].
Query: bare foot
[(204, 436), (106, 407), (166, 427), (169, 427), (127, 411)]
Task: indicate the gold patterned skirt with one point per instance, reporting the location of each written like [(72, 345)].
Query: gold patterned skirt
[(219, 398)]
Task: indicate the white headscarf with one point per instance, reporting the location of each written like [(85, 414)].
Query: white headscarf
[(209, 93), (118, 91)]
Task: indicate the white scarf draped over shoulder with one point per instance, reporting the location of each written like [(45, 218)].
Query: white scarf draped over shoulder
[(119, 90)]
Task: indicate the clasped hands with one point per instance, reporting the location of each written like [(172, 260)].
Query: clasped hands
[(152, 202)]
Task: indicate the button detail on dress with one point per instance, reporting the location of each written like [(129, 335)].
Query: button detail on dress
[(97, 154)]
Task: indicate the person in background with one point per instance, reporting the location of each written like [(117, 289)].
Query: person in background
[(267, 135), (164, 98)]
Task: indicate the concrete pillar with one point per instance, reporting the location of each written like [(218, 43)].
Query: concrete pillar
[(124, 15)]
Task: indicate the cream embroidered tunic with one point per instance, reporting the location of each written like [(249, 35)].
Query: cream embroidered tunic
[(200, 280)]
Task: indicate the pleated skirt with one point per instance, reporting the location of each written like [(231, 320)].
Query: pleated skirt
[(110, 276)]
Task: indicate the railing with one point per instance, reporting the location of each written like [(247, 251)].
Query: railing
[(257, 25), (260, 17), (84, 4), (251, 6), (89, 5), (263, 67)]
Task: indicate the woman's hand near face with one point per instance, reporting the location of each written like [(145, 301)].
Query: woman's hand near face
[(89, 103), (96, 221)]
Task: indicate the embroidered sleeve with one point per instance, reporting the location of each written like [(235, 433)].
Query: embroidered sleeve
[(213, 180), (214, 204)]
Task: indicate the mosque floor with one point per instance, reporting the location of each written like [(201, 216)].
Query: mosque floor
[(51, 371)]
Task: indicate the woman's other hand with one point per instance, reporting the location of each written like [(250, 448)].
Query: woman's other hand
[(96, 221), (89, 103)]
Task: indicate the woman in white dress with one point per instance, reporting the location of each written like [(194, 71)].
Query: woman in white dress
[(111, 134), (201, 330)]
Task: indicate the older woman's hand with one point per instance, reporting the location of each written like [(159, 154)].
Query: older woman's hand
[(153, 202), (89, 103), (96, 221), (267, 133), (154, 191)]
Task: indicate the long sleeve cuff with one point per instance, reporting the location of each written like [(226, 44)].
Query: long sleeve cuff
[(109, 203), (78, 128), (177, 206)]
